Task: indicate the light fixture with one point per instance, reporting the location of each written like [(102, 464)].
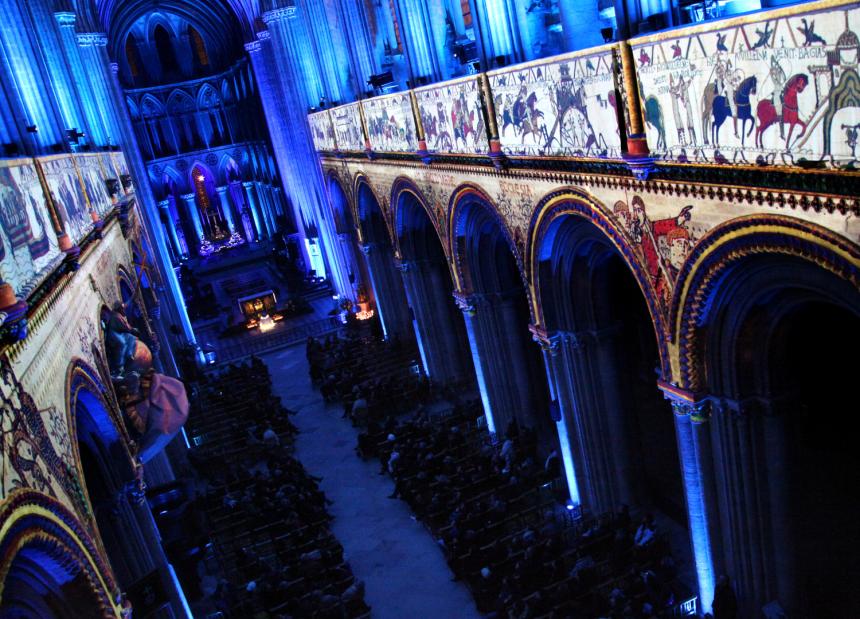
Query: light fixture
[(364, 315), (266, 323)]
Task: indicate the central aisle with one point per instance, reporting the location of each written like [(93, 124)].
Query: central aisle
[(405, 572)]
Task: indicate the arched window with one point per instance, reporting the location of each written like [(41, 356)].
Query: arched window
[(132, 56), (199, 47), (166, 53)]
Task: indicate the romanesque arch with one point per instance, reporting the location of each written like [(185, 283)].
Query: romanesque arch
[(596, 312), (427, 277), (49, 565), (767, 307), (493, 294), (378, 249)]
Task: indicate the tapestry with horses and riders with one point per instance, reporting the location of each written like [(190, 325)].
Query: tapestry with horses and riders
[(783, 91), (390, 123), (452, 116), (322, 131), (565, 106), (347, 127)]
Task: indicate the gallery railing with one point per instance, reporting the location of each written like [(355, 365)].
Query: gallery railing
[(777, 89)]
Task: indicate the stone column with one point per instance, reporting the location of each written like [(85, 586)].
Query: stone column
[(745, 515), (697, 470), (190, 201), (561, 398), (226, 207), (265, 68), (92, 45), (388, 290), (176, 310), (492, 404), (434, 321), (254, 210), (169, 225), (579, 22), (580, 396), (91, 123)]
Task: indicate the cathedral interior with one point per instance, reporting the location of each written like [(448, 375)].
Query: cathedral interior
[(327, 309)]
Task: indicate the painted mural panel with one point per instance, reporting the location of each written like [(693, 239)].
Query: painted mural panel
[(453, 118), (120, 162), (65, 192), (662, 222), (784, 90), (93, 178), (28, 245), (561, 107), (108, 168), (322, 131), (390, 123), (347, 127)]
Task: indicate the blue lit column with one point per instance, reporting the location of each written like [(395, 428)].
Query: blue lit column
[(265, 194), (550, 349), (167, 220), (435, 316), (190, 202), (38, 105), (358, 43), (692, 429), (255, 210), (330, 65), (92, 46), (88, 120), (226, 207), (271, 94), (174, 301), (469, 306), (578, 22), (298, 162), (388, 291), (416, 30), (497, 31)]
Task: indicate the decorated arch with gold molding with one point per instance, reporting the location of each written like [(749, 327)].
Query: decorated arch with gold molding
[(473, 195), (362, 180), (405, 186), (723, 248), (32, 521), (576, 202), (83, 381)]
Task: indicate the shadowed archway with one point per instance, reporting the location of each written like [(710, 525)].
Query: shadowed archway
[(387, 284), (509, 366), (770, 340), (606, 365), (439, 325)]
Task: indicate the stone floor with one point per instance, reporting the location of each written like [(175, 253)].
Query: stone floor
[(404, 570)]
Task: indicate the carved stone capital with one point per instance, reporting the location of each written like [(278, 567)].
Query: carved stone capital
[(91, 39), (404, 266), (188, 197), (253, 46), (686, 403), (549, 342), (287, 12), (65, 19), (264, 35), (465, 302)]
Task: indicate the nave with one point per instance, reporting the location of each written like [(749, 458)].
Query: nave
[(404, 572)]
